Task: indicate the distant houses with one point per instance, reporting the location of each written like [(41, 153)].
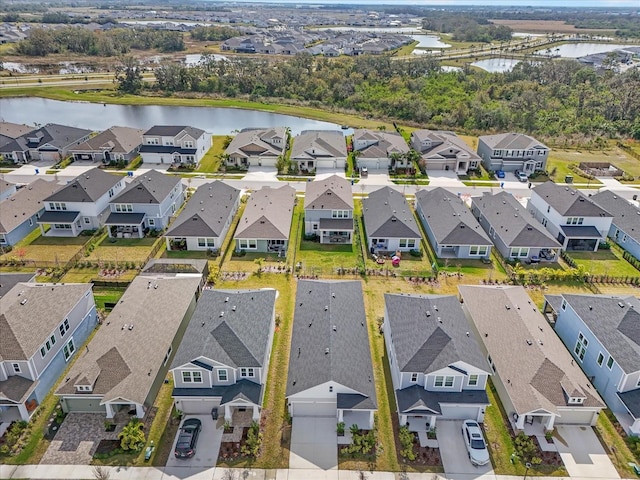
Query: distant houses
[(51, 142), (116, 144)]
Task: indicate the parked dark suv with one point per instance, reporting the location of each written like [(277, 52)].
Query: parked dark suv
[(188, 438)]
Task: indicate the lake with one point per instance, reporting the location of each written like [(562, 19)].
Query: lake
[(429, 41), (496, 65), (577, 50), (96, 116)]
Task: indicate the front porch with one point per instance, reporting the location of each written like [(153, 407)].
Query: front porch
[(121, 412), (363, 419), (536, 425)]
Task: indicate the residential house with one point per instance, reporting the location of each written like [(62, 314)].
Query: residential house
[(388, 222), (602, 333), (223, 360), (82, 204), (19, 213), (7, 189), (266, 221), (625, 226), (257, 146), (330, 370), (444, 150), (451, 228), (437, 368), (512, 151), (328, 210), (314, 149), (514, 231), (174, 144), (52, 142), (147, 203), (127, 360), (205, 220), (538, 382), (42, 326), (376, 149), (570, 216), (113, 145), (9, 132), (10, 280)]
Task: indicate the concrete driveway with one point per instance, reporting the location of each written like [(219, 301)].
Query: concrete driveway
[(207, 448), (314, 443), (582, 453), (453, 452), (261, 174)]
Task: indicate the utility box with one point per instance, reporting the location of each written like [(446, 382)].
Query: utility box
[(568, 179)]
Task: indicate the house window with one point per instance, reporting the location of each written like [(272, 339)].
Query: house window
[(581, 346), (575, 220), (610, 362), (152, 222), (197, 377), (519, 252), (638, 384), (314, 226), (31, 222), (407, 243), (43, 351), (247, 372), (478, 250), (16, 368), (247, 244), (211, 242), (68, 349), (187, 144), (222, 375), (600, 359), (3, 239), (123, 207), (624, 238), (414, 377), (492, 232), (473, 380), (52, 339), (57, 205), (166, 357), (186, 377), (152, 141), (62, 226), (201, 242), (64, 327), (339, 213), (439, 381), (87, 220), (564, 305), (330, 388), (448, 381)]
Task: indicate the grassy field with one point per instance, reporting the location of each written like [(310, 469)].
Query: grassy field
[(211, 161), (561, 159), (621, 456), (605, 262), (46, 250), (546, 26), (123, 250)]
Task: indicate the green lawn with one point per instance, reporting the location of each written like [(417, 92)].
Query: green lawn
[(605, 262), (46, 251), (211, 161), (118, 250), (107, 295), (621, 455), (185, 254)]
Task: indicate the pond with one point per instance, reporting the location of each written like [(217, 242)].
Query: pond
[(96, 116), (577, 50), (496, 65), (429, 41)]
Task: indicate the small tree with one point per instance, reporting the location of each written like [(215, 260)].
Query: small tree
[(132, 437), (406, 443), (129, 75), (526, 449), (254, 440)]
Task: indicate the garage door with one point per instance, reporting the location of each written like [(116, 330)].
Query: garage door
[(459, 412), (575, 417), (371, 164), (314, 409), (198, 406), (84, 405)]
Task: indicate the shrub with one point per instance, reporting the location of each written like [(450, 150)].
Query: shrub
[(526, 449), (406, 443), (132, 437), (254, 440)]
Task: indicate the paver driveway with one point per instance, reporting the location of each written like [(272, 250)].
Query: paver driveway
[(314, 443)]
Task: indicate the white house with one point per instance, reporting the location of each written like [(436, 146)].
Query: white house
[(257, 146), (314, 149), (174, 144), (376, 149), (625, 226), (512, 151)]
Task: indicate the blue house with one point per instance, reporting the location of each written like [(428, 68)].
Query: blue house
[(603, 335), (42, 326), (625, 227)]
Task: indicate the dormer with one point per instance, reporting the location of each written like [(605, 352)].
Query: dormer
[(573, 396), (83, 388)]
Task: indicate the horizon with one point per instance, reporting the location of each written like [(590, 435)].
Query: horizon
[(586, 4)]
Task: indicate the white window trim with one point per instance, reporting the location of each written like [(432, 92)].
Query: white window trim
[(226, 375)]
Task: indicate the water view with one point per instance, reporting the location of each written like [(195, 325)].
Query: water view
[(429, 41), (496, 65), (577, 50)]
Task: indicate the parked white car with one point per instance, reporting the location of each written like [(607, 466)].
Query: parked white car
[(475, 443)]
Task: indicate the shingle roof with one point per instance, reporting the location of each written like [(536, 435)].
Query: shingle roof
[(450, 220), (429, 332), (386, 143), (626, 216), (268, 214), (124, 361), (4, 186), (115, 139), (86, 187), (25, 203), (532, 362), (321, 305), (14, 130), (515, 141), (444, 144), (16, 388), (239, 337), (314, 144), (568, 201), (251, 141), (59, 136), (331, 193), (415, 399), (512, 222), (206, 212), (615, 321), (173, 130), (30, 312), (631, 399), (150, 187), (242, 389), (10, 280), (387, 215)]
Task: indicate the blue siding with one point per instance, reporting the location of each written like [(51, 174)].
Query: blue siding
[(630, 245), (22, 230)]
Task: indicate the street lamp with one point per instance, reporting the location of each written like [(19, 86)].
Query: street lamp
[(527, 467)]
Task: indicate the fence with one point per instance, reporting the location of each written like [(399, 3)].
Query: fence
[(631, 259), (111, 283), (629, 150)]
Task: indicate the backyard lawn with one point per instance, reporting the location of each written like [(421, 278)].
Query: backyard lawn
[(46, 250), (118, 250), (605, 262), (211, 161), (560, 160)]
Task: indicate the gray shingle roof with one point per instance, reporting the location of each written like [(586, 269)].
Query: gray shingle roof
[(568, 201), (429, 333), (236, 339), (528, 355), (86, 187), (254, 141), (4, 186), (626, 217), (268, 214), (242, 389), (415, 399), (16, 388), (59, 136), (206, 212), (173, 130), (386, 143), (150, 187), (444, 144), (631, 399), (387, 215), (331, 193), (318, 144), (321, 305), (10, 280), (512, 222), (122, 140), (25, 203), (515, 141), (451, 222), (14, 130)]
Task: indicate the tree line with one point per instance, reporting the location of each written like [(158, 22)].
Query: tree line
[(465, 27)]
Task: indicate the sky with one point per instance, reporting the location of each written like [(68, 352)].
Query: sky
[(513, 3)]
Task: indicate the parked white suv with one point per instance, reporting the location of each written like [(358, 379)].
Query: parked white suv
[(521, 176), (475, 443)]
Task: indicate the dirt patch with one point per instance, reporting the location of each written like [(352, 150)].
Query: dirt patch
[(107, 446)]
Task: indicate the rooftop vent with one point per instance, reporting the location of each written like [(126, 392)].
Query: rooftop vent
[(233, 309), (335, 328), (23, 301), (439, 320), (621, 305), (326, 307), (131, 326), (226, 299), (529, 342), (428, 313), (507, 307), (326, 351), (221, 314)]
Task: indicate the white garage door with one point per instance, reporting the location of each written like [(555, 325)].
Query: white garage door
[(459, 412), (371, 164), (198, 406), (314, 409), (575, 417)]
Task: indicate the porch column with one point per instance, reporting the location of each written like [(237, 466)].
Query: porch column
[(168, 243), (139, 411), (42, 232), (140, 231), (108, 227), (256, 414), (227, 413), (24, 413), (403, 420), (432, 422), (109, 408), (549, 426), (371, 419), (340, 415), (520, 422)]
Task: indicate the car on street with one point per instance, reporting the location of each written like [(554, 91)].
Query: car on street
[(521, 176), (364, 171), (188, 438), (475, 443)]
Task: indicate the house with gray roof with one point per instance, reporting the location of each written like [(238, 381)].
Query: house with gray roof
[(377, 149), (444, 150), (570, 216), (19, 213), (112, 145), (204, 222), (513, 230), (328, 210), (313, 149), (266, 222), (625, 225), (257, 146), (602, 332), (389, 223), (538, 382), (437, 368), (10, 131), (512, 151), (43, 326), (51, 142), (451, 228), (330, 369), (127, 360), (10, 280), (223, 360), (147, 203), (7, 189), (82, 204), (174, 145)]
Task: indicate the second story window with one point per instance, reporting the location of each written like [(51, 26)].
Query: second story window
[(575, 220), (581, 346), (64, 327), (124, 207), (58, 206), (247, 372), (473, 380), (222, 375), (340, 213)]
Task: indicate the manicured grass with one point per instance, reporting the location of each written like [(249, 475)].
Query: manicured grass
[(621, 456), (605, 262), (107, 295), (123, 250), (60, 241), (46, 250), (405, 50), (211, 161), (127, 242), (185, 254), (87, 275)]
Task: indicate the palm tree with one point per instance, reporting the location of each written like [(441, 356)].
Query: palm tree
[(132, 437)]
